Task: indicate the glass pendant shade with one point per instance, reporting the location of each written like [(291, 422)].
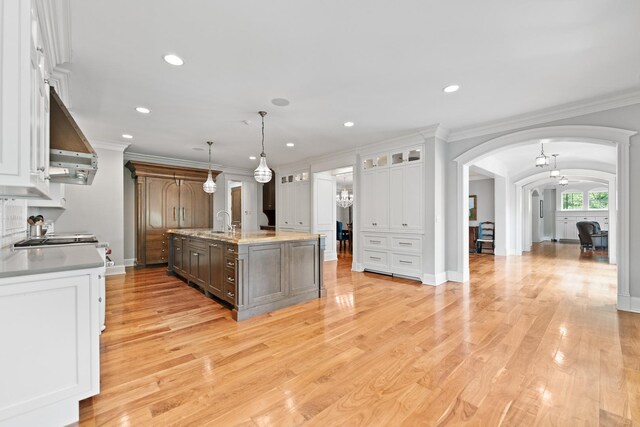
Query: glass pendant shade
[(555, 173), (262, 174), (344, 199), (542, 160), (209, 186), (563, 181)]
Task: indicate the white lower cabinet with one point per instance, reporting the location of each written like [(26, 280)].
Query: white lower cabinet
[(398, 254), (50, 337), (566, 225)]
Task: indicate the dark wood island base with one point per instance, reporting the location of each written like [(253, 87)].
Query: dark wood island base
[(255, 272)]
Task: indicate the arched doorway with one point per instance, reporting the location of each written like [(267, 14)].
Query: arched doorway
[(618, 138)]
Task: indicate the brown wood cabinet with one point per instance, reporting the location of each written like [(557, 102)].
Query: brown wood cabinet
[(167, 197)]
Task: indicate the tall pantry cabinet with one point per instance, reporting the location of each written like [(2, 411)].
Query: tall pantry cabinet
[(167, 197)]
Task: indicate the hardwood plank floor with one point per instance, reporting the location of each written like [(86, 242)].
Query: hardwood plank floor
[(531, 340)]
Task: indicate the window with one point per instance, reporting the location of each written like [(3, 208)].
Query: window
[(598, 199), (572, 201)]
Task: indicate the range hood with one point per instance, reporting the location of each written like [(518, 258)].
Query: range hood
[(72, 160)]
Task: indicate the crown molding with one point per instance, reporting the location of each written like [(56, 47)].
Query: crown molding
[(150, 158), (112, 146), (564, 111)]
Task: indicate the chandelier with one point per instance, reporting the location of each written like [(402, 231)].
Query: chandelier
[(209, 186), (262, 174), (542, 160), (344, 199)]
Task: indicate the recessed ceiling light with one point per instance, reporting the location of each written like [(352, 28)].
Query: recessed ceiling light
[(143, 110), (451, 88), (252, 157), (348, 124), (280, 102), (127, 136), (290, 144), (173, 60)]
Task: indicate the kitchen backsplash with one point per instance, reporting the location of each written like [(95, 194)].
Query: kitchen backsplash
[(13, 221)]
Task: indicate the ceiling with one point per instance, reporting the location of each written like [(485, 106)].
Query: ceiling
[(379, 64)]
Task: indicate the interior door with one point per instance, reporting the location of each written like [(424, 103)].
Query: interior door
[(324, 205), (236, 207)]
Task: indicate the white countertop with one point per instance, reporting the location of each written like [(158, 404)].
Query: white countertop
[(21, 262)]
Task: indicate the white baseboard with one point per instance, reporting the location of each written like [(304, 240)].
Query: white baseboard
[(129, 262), (357, 267), (115, 270), (629, 303), (434, 279), (456, 276)]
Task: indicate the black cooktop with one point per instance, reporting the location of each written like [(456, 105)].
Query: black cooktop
[(53, 241)]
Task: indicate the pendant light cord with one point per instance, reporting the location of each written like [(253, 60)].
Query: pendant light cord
[(262, 135)]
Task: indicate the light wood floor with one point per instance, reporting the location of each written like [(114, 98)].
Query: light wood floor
[(531, 340)]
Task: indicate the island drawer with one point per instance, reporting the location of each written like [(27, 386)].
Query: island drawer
[(375, 241), (230, 276), (198, 244), (230, 249), (230, 293), (230, 261)]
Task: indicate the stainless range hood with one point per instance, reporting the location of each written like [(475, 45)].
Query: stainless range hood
[(72, 160)]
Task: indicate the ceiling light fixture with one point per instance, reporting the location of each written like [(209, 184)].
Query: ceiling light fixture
[(348, 124), (564, 181), (173, 59), (542, 160), (127, 136), (209, 186), (344, 199), (555, 172), (252, 157), (290, 144), (262, 174), (143, 110), (451, 88)]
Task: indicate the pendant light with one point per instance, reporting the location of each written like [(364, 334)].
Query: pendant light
[(209, 186), (542, 160), (564, 181), (344, 199), (262, 174), (555, 172)]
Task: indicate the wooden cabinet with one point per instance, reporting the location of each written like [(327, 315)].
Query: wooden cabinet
[(216, 270), (269, 194), (167, 197), (24, 95), (198, 260)]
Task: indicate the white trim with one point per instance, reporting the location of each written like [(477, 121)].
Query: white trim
[(150, 158), (112, 146), (434, 279), (129, 262), (357, 267), (564, 111), (628, 303), (454, 276), (115, 270)]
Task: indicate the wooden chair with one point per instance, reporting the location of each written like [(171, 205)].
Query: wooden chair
[(486, 237)]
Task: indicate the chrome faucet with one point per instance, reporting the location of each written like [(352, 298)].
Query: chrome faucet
[(228, 227)]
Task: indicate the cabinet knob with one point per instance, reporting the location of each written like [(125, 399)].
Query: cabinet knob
[(300, 222), (100, 299)]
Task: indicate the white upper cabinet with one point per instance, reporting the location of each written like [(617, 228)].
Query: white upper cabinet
[(404, 156), (294, 201), (412, 197), (24, 108), (375, 199)]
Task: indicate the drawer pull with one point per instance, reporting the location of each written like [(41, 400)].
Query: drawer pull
[(196, 254), (375, 258), (231, 279), (229, 249), (231, 264), (213, 245), (375, 242), (178, 249), (231, 294), (405, 262), (405, 244)]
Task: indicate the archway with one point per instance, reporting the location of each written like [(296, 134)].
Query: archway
[(619, 138)]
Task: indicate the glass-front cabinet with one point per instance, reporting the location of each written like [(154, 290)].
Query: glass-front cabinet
[(375, 161), (406, 156)]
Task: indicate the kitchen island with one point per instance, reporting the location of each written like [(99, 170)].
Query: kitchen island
[(253, 272)]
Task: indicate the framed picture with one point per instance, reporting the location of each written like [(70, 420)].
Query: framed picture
[(473, 208), (541, 208)]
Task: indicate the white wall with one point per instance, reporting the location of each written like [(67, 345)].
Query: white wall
[(99, 208), (549, 213), (342, 215), (484, 189)]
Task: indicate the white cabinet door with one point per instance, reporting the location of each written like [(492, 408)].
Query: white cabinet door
[(570, 231), (381, 199), (367, 196), (396, 199), (559, 229), (285, 206), (301, 201), (412, 197)]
